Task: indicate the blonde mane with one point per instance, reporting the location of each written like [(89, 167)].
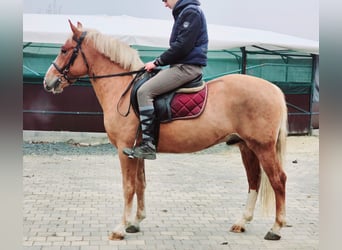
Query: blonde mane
[(115, 50)]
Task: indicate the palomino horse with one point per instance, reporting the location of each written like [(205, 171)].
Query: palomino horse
[(243, 110)]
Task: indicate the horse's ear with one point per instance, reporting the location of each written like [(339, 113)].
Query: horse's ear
[(79, 25), (74, 29)]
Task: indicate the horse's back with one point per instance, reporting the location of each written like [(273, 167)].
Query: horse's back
[(251, 104), (240, 84), (245, 92)]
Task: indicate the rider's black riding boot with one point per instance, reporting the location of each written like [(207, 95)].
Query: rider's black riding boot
[(147, 148)]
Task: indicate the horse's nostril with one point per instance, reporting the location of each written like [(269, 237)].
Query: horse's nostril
[(46, 87)]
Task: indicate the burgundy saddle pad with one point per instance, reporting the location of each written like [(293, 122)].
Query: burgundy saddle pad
[(188, 105)]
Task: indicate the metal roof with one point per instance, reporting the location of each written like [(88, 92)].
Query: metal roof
[(47, 28)]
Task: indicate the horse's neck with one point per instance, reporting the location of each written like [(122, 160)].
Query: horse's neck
[(109, 89)]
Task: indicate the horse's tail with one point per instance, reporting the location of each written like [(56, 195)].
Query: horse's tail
[(282, 134), (266, 193)]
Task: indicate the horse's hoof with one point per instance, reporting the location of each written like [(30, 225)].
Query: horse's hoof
[(116, 236), (237, 229), (272, 236), (132, 229)]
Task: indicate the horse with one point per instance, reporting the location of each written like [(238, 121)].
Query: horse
[(241, 110)]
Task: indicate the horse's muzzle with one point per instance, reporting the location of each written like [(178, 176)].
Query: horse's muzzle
[(52, 87), (46, 87)]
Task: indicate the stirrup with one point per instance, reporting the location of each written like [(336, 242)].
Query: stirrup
[(146, 151), (130, 151), (131, 154)]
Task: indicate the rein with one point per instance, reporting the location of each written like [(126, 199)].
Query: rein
[(65, 70), (83, 79)]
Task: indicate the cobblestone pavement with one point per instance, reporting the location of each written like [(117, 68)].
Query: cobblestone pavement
[(73, 199)]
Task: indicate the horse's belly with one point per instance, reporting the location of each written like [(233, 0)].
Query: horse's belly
[(188, 141)]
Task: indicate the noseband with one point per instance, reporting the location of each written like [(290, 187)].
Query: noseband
[(65, 70)]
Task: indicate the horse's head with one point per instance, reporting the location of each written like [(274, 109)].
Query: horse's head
[(69, 64)]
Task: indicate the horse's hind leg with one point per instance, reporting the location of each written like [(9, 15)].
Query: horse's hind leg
[(252, 168), (272, 166)]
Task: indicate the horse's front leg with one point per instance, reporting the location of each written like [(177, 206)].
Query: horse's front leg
[(129, 169), (140, 185)]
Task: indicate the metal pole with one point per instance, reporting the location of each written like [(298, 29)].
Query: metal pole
[(244, 60)]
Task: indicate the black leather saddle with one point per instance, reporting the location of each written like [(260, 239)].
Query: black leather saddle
[(162, 102)]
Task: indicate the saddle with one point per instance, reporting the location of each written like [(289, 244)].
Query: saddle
[(185, 102)]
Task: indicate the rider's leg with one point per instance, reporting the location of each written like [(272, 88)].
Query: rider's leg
[(165, 81)]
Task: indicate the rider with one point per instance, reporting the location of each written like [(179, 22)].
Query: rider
[(186, 56)]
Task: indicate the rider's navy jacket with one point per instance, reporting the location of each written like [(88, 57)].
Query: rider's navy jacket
[(189, 37)]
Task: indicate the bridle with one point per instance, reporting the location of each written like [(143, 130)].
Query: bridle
[(65, 70)]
